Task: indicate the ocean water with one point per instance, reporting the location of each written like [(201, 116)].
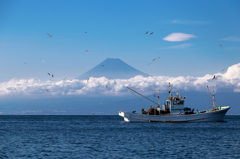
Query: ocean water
[(109, 137)]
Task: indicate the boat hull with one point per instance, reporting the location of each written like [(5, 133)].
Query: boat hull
[(211, 116)]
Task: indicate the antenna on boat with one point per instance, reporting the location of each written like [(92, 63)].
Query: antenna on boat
[(170, 92), (213, 97)]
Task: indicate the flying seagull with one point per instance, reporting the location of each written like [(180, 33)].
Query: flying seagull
[(146, 32), (85, 32), (214, 77), (88, 76), (109, 78), (42, 60), (49, 35), (106, 86), (151, 33), (149, 64), (87, 79), (223, 70), (153, 60), (48, 74), (102, 65), (160, 29), (52, 76), (47, 90), (25, 63), (65, 78), (220, 45), (86, 50)]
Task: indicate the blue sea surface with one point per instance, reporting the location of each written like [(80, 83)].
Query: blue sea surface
[(26, 136)]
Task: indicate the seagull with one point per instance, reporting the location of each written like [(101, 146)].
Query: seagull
[(65, 78), (47, 90), (146, 32), (106, 86), (151, 33), (223, 70), (88, 76), (86, 50), (109, 78), (160, 29), (88, 79), (153, 60), (42, 60), (52, 76), (159, 57), (49, 35), (102, 65), (149, 64), (70, 80), (220, 45), (85, 32), (25, 63), (214, 77), (48, 74)]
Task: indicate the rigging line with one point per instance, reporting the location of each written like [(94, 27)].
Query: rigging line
[(139, 98), (142, 95), (196, 95)]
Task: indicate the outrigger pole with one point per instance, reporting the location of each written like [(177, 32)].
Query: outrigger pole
[(141, 95)]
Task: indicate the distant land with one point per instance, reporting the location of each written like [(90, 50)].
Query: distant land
[(114, 68)]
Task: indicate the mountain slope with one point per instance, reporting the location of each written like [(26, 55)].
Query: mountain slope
[(114, 68)]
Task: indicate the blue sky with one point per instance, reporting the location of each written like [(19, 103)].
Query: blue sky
[(188, 46), (117, 29)]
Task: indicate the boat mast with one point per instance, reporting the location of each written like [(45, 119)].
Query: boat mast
[(213, 97)]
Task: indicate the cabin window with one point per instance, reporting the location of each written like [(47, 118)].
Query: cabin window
[(178, 102)]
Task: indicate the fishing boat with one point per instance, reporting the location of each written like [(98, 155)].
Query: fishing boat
[(174, 111)]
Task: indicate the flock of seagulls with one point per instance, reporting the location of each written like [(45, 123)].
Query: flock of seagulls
[(88, 77), (150, 33)]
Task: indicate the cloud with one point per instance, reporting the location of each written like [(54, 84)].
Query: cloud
[(231, 38), (181, 46), (179, 37), (230, 80), (189, 22)]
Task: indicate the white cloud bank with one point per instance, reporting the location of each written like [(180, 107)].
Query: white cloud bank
[(230, 80), (179, 37)]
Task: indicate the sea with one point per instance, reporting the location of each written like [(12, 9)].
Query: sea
[(107, 136)]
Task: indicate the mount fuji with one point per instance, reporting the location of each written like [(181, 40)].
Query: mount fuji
[(114, 68)]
